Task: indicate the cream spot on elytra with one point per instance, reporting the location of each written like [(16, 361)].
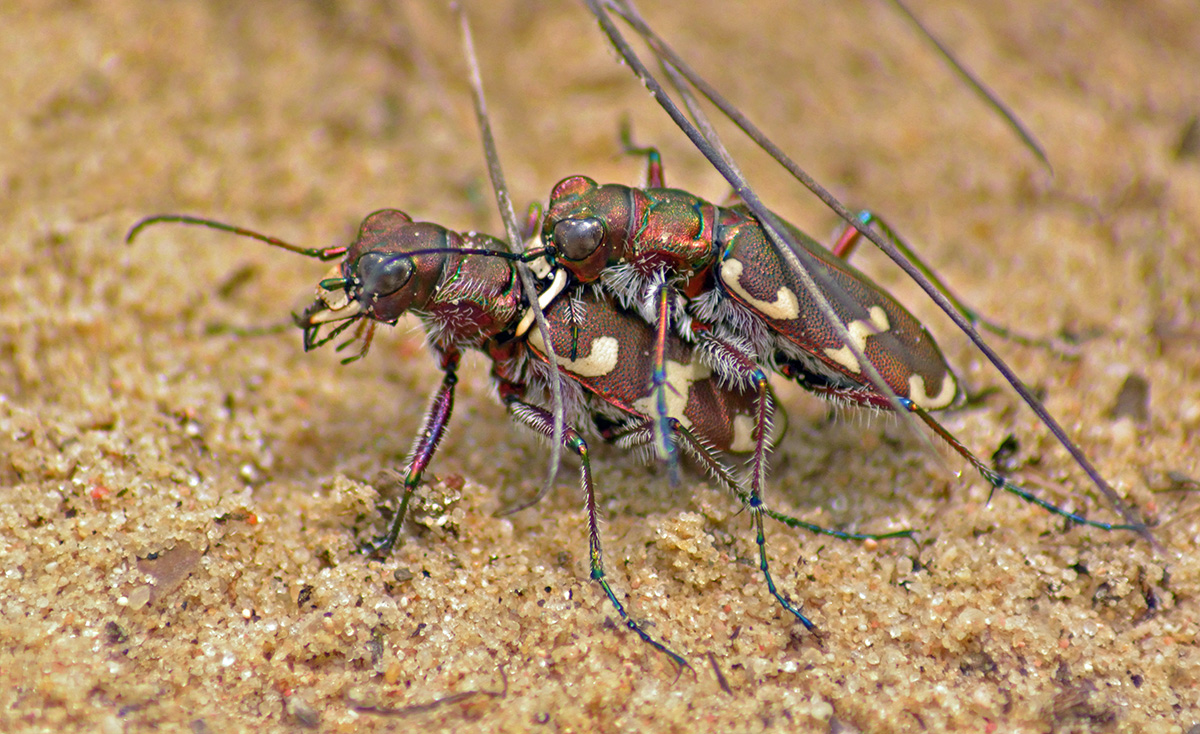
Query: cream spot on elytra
[(859, 331), (600, 359), (917, 394), (743, 434), (785, 307)]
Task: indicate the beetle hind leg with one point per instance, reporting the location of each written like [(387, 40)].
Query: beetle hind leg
[(542, 421)]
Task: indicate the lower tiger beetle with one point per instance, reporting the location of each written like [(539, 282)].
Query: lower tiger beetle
[(466, 293)]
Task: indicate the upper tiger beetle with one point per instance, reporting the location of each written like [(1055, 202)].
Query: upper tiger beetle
[(744, 278), (710, 275)]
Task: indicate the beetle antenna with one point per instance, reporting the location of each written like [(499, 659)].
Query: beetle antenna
[(320, 253)]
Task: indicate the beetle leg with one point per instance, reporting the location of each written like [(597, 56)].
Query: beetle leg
[(664, 438), (851, 236), (654, 167), (542, 421), (437, 418), (997, 481)]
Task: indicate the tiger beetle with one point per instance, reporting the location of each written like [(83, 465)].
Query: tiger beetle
[(467, 295), (746, 280), (705, 389), (710, 275)]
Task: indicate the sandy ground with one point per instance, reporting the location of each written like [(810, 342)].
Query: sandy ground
[(181, 502)]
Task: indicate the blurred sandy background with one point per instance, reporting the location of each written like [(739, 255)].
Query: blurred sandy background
[(181, 503)]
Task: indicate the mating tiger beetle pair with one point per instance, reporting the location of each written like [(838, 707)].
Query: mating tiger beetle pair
[(666, 313)]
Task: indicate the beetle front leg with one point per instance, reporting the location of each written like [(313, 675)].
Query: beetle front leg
[(437, 418), (664, 437), (654, 167)]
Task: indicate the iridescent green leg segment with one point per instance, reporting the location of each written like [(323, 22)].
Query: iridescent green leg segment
[(542, 421)]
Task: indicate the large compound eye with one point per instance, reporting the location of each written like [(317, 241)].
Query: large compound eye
[(577, 239), (383, 274)]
